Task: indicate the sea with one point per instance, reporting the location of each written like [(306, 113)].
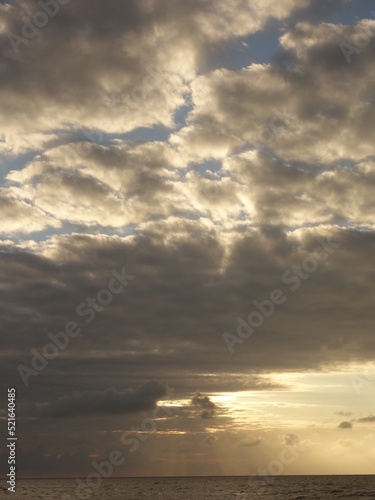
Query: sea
[(199, 488)]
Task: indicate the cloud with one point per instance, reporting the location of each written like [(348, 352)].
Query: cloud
[(344, 413), (185, 273), (283, 159), (105, 189), (347, 443), (16, 211), (265, 106), (369, 419), (210, 440), (345, 425), (205, 403), (291, 439), (267, 158), (109, 402), (126, 66), (252, 441)]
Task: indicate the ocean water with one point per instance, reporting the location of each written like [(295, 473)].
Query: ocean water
[(201, 488)]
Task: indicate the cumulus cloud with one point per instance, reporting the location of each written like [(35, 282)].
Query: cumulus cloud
[(264, 106), (261, 109), (15, 211), (283, 159), (115, 186), (204, 402), (127, 65)]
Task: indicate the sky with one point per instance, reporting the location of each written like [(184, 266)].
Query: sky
[(187, 236)]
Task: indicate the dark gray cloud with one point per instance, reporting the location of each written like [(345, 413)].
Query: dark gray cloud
[(204, 402), (109, 402), (184, 282), (345, 425), (369, 419)]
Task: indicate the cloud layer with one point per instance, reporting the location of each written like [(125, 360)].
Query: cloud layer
[(209, 148)]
